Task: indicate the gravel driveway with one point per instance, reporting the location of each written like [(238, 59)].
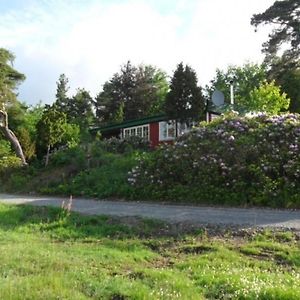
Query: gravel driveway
[(171, 213)]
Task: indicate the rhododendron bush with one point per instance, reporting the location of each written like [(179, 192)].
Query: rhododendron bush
[(233, 160)]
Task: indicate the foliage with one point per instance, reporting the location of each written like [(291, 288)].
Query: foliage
[(106, 178), (132, 93), (246, 78), (268, 98), (48, 254), (4, 148), (80, 109), (287, 75), (62, 100), (236, 161), (28, 144), (185, 101), (74, 157), (51, 127), (9, 78), (116, 145), (7, 159), (71, 136), (285, 18), (88, 170)]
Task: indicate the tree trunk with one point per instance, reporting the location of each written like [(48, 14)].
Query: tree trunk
[(47, 156), (9, 135)]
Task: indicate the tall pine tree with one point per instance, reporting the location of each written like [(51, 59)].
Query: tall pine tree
[(185, 101), (9, 81), (133, 93), (62, 101)]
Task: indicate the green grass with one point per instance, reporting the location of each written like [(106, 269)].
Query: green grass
[(47, 253)]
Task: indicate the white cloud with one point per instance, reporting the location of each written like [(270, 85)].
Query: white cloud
[(89, 42)]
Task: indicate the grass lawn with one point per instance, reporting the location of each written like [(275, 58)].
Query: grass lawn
[(47, 253)]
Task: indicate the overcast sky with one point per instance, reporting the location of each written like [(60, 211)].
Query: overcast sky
[(89, 40)]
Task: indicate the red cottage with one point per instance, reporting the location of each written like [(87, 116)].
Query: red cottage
[(156, 129)]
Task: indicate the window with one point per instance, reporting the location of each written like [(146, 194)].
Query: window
[(141, 131), (146, 132), (166, 131), (126, 133)]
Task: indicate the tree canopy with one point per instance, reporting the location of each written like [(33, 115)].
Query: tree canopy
[(268, 98), (246, 78), (132, 93), (9, 80), (62, 88), (185, 101), (285, 18)]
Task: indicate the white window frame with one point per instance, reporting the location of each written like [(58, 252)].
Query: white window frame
[(166, 137), (179, 129), (132, 131)]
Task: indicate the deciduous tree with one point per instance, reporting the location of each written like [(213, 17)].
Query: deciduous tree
[(268, 98), (246, 78), (50, 129)]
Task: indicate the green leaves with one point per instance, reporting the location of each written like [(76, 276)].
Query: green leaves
[(51, 128), (246, 78), (268, 98)]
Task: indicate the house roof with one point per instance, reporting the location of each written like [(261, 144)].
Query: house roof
[(129, 123)]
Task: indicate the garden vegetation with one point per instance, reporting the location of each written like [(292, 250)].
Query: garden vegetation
[(238, 161)]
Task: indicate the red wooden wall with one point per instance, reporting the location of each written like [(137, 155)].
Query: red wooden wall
[(154, 134)]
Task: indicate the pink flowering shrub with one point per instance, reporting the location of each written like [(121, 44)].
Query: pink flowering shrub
[(236, 161)]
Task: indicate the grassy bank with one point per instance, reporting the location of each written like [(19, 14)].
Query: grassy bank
[(47, 253)]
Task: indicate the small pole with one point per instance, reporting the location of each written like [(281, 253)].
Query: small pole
[(231, 92)]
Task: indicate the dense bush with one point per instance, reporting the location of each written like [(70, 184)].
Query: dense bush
[(237, 161), (108, 179), (8, 161), (87, 170), (116, 145)]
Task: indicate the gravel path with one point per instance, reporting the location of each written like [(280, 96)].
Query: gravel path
[(171, 213)]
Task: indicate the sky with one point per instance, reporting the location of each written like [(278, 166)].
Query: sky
[(89, 40)]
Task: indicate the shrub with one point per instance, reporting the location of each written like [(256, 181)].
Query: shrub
[(132, 143), (240, 161)]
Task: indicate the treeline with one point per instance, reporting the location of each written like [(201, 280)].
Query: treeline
[(136, 92)]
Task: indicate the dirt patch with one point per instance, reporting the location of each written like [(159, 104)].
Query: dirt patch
[(196, 249)]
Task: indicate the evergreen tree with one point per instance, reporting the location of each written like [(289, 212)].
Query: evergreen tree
[(185, 101), (109, 101), (62, 101), (9, 80), (133, 93), (80, 109), (286, 75), (127, 91), (285, 18)]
